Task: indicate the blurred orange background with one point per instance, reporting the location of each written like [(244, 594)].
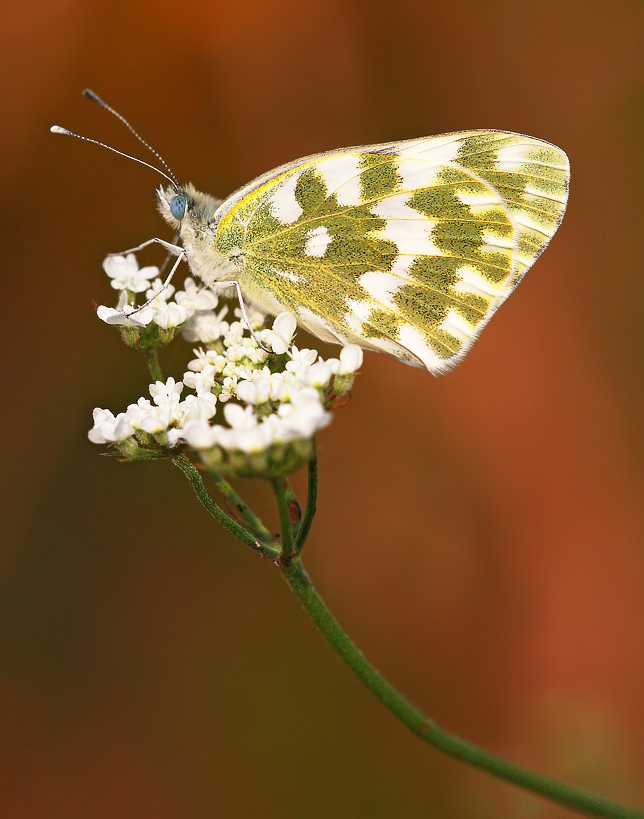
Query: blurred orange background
[(479, 535)]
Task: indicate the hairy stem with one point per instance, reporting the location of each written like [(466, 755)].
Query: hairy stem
[(255, 525), (311, 505), (286, 527), (268, 549), (154, 365)]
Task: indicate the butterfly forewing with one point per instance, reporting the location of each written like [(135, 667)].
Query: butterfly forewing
[(406, 247)]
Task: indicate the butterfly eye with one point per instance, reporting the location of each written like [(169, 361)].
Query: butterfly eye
[(178, 206)]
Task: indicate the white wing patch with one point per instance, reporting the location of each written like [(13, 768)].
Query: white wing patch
[(396, 207), (316, 242), (480, 201), (526, 220), (412, 238), (381, 286), (495, 243), (512, 157), (437, 151), (360, 309), (540, 194), (456, 325), (413, 341), (284, 206), (402, 266), (341, 176), (418, 173), (471, 281)]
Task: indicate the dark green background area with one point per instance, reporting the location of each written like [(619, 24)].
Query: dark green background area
[(479, 535)]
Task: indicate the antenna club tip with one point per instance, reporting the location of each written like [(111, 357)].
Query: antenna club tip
[(56, 129), (91, 95)]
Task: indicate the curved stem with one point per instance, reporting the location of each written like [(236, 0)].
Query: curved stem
[(311, 504), (568, 795), (286, 528), (192, 474), (154, 365), (255, 525)]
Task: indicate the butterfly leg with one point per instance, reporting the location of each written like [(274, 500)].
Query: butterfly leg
[(164, 285), (177, 250), (240, 298)]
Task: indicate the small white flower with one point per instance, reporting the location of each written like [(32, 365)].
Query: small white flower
[(199, 434), (283, 389), (134, 411), (203, 405), (158, 292), (206, 327), (111, 316), (109, 429), (206, 358), (257, 389), (247, 392), (204, 380), (169, 315), (125, 273), (228, 386), (305, 415), (240, 372), (283, 330), (235, 333), (350, 360), (249, 440), (175, 435), (255, 317), (317, 375), (156, 420), (166, 394), (195, 297), (240, 417), (298, 357)]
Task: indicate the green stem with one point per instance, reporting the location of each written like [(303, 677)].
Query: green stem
[(294, 508), (568, 795), (311, 504), (279, 488), (154, 365), (240, 506), (192, 474)]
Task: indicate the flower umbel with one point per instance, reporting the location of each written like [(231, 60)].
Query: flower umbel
[(253, 412), (254, 403)]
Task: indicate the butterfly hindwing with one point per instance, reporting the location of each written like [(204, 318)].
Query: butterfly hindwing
[(407, 247)]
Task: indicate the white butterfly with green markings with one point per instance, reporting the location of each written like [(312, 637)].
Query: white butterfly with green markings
[(406, 248)]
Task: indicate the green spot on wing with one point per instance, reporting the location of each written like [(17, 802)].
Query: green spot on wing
[(310, 191), (439, 203), (379, 177), (262, 224)]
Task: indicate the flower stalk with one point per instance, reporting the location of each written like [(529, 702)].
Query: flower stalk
[(255, 413)]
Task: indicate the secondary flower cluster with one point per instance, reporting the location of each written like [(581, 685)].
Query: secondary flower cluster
[(272, 401)]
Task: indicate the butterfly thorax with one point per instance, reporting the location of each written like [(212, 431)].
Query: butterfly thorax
[(197, 230)]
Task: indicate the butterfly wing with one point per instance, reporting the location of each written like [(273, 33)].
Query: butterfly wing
[(408, 247)]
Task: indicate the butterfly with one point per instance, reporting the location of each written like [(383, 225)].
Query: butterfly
[(406, 248)]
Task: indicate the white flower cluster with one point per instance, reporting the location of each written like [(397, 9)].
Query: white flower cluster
[(265, 402), (129, 278), (164, 414)]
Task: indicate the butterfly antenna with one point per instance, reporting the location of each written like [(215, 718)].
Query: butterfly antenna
[(56, 129), (91, 95)]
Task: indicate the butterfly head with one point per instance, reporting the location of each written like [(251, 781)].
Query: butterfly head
[(185, 207)]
